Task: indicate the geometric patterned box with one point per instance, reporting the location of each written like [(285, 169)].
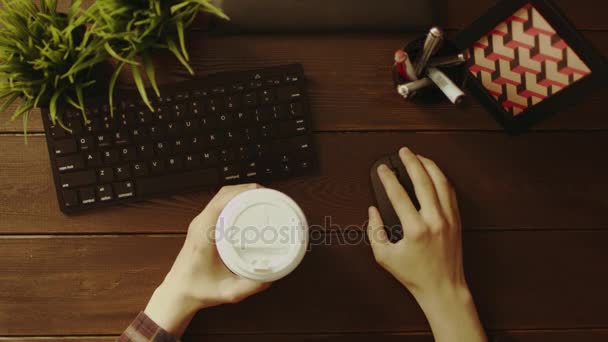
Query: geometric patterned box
[(527, 61), (523, 61)]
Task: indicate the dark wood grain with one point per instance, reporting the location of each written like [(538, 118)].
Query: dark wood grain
[(96, 285), (584, 14), (587, 335), (350, 83), (535, 181)]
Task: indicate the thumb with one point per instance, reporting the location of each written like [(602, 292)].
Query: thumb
[(375, 230), (244, 288)]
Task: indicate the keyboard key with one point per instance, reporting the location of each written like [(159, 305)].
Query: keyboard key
[(196, 143), (157, 166), (70, 198), (300, 145), (139, 135), (242, 118), (76, 179), (124, 189), (104, 193), (227, 155), (145, 151), (105, 175), (288, 93), (110, 157), (210, 158), (254, 84), (177, 182), (224, 120), (250, 170), (250, 99), (127, 153), (86, 143), (266, 96), (140, 169), (245, 153), (157, 132), (296, 110), (180, 146), (75, 125), (161, 115), (304, 165), (280, 112), (231, 173), (237, 87), (122, 172), (65, 146), (208, 123), (87, 195), (144, 117), (175, 129), (216, 139), (231, 137), (289, 128), (161, 149), (70, 163), (174, 163), (285, 170), (192, 161), (218, 90), (104, 140), (263, 114), (58, 132), (93, 159), (190, 127), (265, 131), (177, 112), (122, 137), (233, 102), (214, 105)]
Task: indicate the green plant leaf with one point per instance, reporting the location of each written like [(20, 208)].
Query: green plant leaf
[(117, 56), (179, 25), (171, 46), (8, 102), (53, 105), (139, 83), (150, 72), (111, 86)]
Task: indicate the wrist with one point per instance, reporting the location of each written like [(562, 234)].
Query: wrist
[(171, 309), (444, 296), (452, 314)]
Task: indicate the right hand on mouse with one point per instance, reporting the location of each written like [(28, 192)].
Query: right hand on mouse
[(428, 260)]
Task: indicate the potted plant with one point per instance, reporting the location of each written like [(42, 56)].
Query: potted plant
[(46, 58), (133, 29)]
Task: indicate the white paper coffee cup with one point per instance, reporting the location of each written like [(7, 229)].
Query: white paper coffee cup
[(262, 235)]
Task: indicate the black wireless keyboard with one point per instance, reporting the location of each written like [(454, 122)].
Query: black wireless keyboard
[(227, 128)]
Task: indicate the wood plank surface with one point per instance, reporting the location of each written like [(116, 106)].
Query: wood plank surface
[(95, 286), (587, 335), (584, 14), (535, 181), (350, 83)]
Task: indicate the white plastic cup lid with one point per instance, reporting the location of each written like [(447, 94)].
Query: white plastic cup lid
[(262, 235)]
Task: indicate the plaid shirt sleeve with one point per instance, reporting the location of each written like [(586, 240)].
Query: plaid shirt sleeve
[(143, 329)]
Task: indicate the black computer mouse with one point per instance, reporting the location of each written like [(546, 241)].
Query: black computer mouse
[(392, 225)]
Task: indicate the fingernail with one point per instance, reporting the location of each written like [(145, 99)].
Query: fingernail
[(382, 168), (404, 150)]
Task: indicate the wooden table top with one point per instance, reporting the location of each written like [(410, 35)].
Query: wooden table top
[(535, 211)]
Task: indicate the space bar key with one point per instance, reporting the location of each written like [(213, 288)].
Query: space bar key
[(176, 182)]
